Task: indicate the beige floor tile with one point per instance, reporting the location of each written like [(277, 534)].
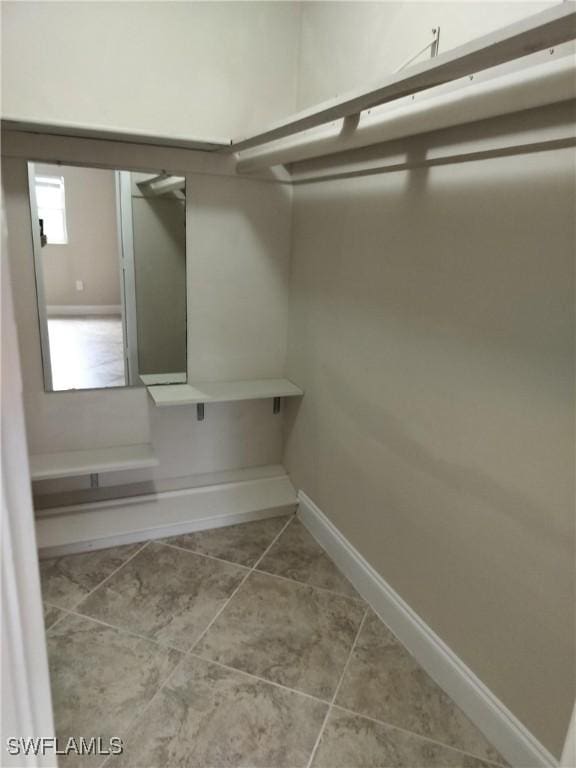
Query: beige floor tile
[(66, 580), (350, 741), (165, 594), (242, 544), (51, 615), (385, 682), (102, 678), (207, 716), (296, 555), (285, 632)]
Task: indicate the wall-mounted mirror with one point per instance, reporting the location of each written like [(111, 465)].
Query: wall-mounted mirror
[(110, 259)]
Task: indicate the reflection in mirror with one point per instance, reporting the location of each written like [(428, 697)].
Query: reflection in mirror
[(110, 259)]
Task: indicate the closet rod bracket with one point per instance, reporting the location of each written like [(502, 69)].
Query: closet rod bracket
[(276, 405), (200, 411)]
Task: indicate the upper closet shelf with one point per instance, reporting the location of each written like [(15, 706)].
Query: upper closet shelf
[(222, 391), (44, 466), (100, 132), (543, 30)]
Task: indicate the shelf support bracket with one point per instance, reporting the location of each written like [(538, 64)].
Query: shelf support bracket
[(276, 405), (433, 46), (94, 480), (200, 411)]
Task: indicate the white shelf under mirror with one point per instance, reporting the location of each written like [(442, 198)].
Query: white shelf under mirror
[(222, 391), (150, 379)]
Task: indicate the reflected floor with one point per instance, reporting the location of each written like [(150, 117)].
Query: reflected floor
[(86, 352), (240, 646)]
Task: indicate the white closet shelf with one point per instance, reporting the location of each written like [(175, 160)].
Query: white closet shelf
[(546, 29), (44, 466), (149, 379), (78, 130), (222, 391)]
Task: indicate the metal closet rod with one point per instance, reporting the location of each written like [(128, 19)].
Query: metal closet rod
[(543, 30)]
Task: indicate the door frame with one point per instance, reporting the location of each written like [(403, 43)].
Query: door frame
[(127, 275), (26, 696), (39, 280)]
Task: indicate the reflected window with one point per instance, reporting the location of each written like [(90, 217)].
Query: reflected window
[(51, 202)]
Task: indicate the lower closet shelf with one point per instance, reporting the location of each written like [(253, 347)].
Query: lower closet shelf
[(44, 466)]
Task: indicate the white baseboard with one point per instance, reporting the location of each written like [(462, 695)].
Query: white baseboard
[(510, 737), (54, 310), (110, 523)]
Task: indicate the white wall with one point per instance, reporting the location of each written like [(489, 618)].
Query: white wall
[(92, 253), (239, 249), (232, 436), (204, 69), (197, 69), (432, 329)]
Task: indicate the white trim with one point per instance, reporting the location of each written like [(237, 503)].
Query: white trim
[(568, 759), (503, 729), (60, 310), (26, 700), (41, 307), (128, 272), (110, 523)]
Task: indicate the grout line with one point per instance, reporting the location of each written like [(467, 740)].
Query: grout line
[(185, 655), (288, 522), (251, 570), (190, 652), (201, 554), (126, 631), (63, 611), (259, 679), (416, 735), (349, 659), (337, 690), (313, 586), (87, 595), (254, 567)]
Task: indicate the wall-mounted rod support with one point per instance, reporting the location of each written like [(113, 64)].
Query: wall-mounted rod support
[(435, 43), (276, 405), (200, 411), (94, 480)]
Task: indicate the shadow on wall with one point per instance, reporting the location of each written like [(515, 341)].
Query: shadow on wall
[(432, 329), (231, 199), (239, 249)]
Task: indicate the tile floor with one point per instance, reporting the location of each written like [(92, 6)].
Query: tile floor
[(241, 646), (86, 352)]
